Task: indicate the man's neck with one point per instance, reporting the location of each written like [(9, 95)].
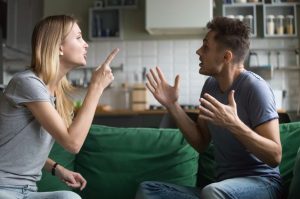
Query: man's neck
[(228, 76)]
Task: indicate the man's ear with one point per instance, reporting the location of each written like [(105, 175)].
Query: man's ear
[(228, 56)]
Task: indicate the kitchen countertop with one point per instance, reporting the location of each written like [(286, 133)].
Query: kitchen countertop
[(158, 118), (101, 112)]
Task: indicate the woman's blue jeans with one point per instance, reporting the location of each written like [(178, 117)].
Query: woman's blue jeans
[(235, 188), (30, 192)]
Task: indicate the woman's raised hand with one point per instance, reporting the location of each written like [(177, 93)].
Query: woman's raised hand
[(103, 75)]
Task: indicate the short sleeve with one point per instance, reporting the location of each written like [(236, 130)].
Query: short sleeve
[(22, 89), (262, 107)]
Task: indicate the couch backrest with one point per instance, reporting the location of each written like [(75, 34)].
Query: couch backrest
[(294, 190), (115, 160), (290, 141)]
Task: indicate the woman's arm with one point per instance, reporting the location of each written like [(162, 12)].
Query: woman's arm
[(72, 138)]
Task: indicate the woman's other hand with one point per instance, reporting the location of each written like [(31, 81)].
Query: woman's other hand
[(72, 179)]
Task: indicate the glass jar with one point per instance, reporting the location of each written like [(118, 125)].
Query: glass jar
[(289, 24), (270, 25), (279, 25), (230, 16), (248, 20), (240, 1), (239, 17)]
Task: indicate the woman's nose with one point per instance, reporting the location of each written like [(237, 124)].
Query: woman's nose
[(86, 45)]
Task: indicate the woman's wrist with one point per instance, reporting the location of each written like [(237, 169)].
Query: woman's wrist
[(53, 169)]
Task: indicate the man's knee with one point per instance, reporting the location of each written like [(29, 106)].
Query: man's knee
[(68, 195), (212, 191), (143, 189)]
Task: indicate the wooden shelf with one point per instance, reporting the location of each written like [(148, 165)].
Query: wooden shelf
[(293, 68)]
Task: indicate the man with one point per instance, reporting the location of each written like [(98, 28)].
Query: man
[(237, 113)]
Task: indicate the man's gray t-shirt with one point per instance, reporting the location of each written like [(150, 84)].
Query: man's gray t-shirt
[(24, 144), (255, 105)]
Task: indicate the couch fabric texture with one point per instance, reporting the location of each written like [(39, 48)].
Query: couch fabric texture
[(115, 160)]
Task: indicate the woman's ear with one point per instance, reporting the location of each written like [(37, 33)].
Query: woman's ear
[(61, 50), (228, 56)]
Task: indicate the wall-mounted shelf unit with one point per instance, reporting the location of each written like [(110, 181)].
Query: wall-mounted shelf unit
[(280, 24), (105, 19), (272, 12), (238, 10), (120, 4), (104, 23)]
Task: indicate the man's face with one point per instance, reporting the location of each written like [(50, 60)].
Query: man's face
[(210, 55)]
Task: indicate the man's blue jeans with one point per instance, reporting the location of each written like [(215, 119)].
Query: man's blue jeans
[(30, 192), (235, 188)]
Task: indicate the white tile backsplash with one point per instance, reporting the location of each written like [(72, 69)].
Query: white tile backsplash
[(181, 48), (149, 48), (149, 62), (133, 48), (179, 57), (102, 49), (91, 53)]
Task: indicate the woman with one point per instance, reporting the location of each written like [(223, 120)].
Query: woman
[(35, 110)]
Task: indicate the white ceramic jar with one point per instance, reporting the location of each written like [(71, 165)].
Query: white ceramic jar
[(270, 25), (239, 17)]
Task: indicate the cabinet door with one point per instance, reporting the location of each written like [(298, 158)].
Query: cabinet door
[(167, 17), (21, 19), (104, 24)]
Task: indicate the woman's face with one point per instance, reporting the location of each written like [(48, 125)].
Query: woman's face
[(73, 50)]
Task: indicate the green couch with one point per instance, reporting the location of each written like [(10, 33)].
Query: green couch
[(115, 160)]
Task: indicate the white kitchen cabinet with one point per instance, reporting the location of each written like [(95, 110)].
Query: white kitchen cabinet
[(177, 16)]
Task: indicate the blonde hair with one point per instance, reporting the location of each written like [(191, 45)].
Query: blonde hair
[(47, 37)]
